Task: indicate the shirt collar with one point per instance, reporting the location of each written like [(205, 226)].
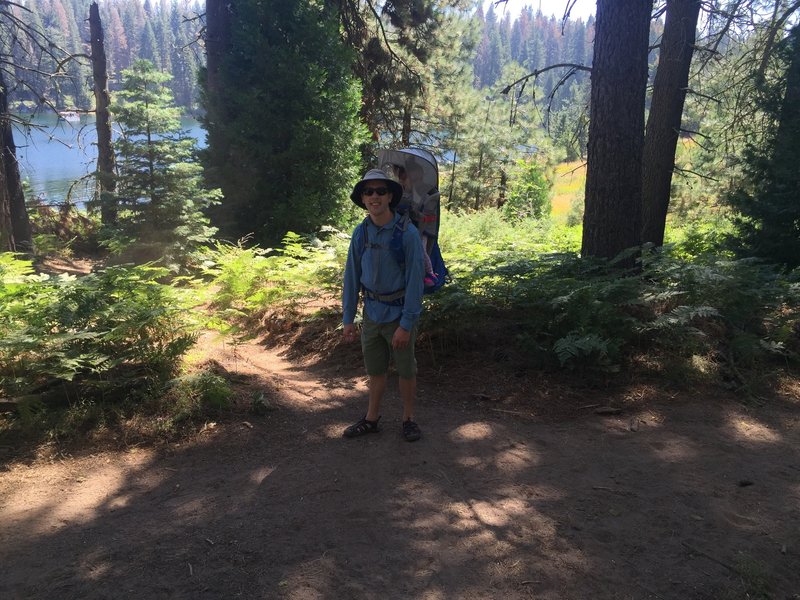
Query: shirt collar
[(388, 225)]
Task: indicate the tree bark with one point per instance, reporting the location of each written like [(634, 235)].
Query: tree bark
[(405, 134), (612, 216), (666, 110), (789, 121), (6, 231), (218, 26), (106, 163), (18, 236)]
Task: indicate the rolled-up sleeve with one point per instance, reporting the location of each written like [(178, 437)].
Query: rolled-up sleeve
[(414, 276)]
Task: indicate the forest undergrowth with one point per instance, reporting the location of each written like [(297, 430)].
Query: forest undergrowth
[(82, 355)]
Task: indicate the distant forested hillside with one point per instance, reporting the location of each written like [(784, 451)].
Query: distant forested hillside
[(533, 40), (163, 31), (167, 32)]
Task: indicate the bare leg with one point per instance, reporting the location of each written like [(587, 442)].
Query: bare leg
[(377, 386), (408, 393)]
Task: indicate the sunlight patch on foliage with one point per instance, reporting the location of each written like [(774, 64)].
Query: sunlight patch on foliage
[(568, 187), (105, 334)]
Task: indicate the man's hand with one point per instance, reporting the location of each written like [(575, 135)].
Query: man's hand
[(400, 338), (349, 333)]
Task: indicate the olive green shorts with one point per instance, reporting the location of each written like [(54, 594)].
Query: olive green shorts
[(376, 343)]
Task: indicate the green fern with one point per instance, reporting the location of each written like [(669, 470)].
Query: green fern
[(67, 329), (574, 348), (680, 316)]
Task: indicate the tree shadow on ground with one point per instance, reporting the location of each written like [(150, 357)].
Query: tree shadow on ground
[(692, 498)]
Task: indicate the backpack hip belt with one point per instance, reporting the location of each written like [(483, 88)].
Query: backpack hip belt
[(392, 299)]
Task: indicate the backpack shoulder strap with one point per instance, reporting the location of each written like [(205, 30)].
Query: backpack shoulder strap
[(396, 245), (363, 232), (396, 249)]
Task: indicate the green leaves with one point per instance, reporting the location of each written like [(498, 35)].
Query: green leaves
[(159, 190), (681, 316), (529, 192), (562, 310), (282, 121), (250, 280), (576, 348), (63, 329)]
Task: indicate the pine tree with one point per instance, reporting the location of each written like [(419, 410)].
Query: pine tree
[(164, 37), (182, 68), (768, 219), (160, 196), (493, 51), (133, 20), (281, 119), (38, 85), (149, 46), (612, 217), (665, 114), (117, 51)]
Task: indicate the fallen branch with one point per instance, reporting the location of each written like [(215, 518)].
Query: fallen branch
[(513, 412)]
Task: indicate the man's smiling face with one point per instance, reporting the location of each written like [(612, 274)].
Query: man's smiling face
[(376, 197)]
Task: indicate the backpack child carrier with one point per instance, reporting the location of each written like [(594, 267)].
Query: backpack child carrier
[(418, 173)]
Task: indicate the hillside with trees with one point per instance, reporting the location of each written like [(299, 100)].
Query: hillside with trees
[(164, 32)]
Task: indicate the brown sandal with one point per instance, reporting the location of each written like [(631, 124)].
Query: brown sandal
[(411, 431), (362, 427)]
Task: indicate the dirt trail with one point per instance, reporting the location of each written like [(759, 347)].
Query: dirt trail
[(691, 498)]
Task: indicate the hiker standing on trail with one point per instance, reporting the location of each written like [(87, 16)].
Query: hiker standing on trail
[(385, 263)]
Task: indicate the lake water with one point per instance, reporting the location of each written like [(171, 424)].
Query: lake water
[(56, 154)]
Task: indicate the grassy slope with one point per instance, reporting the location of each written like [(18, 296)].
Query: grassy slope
[(568, 186)]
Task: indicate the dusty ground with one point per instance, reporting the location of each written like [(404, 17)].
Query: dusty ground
[(680, 496)]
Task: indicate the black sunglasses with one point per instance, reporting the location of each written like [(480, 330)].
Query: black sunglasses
[(369, 191)]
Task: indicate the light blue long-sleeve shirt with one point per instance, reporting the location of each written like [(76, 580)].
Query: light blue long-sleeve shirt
[(376, 269)]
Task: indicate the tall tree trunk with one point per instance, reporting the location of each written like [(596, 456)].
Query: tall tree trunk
[(789, 116), (453, 172), (405, 134), (12, 198), (501, 199), (612, 218), (218, 28), (106, 163), (666, 110), (6, 231), (775, 208), (478, 187)]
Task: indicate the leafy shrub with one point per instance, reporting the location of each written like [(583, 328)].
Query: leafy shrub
[(529, 192), (525, 283), (756, 305), (553, 307), (62, 232), (197, 394), (700, 237), (557, 309), (767, 212), (246, 281), (160, 198)]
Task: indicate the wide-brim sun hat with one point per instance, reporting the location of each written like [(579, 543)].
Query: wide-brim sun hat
[(377, 175)]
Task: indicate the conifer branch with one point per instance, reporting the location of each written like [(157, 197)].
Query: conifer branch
[(683, 171), (573, 66), (385, 37), (701, 95)]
